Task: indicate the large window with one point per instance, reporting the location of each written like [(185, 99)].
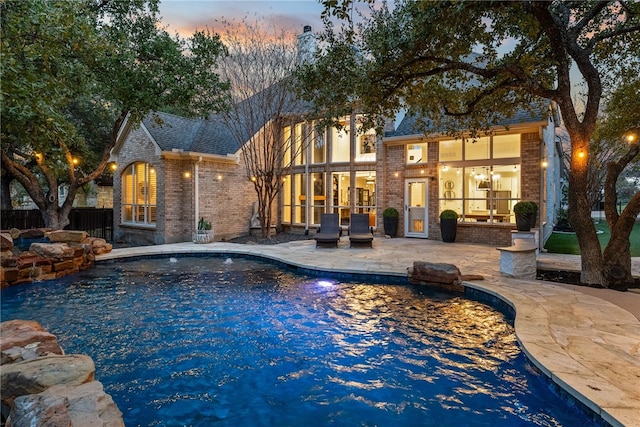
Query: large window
[(139, 194), (480, 178), (366, 195), (340, 196), (417, 153), (318, 146), (319, 197), (340, 143)]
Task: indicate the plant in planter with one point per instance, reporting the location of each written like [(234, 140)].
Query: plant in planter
[(390, 219), (448, 225), (533, 217), (524, 211), (204, 233)]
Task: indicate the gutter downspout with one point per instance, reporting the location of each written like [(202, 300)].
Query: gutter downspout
[(196, 195)]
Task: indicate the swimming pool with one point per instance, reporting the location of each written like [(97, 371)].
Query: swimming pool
[(236, 342)]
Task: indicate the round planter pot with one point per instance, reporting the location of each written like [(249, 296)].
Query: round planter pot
[(523, 222), (390, 225), (448, 229)]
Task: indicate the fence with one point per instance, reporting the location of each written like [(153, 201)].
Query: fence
[(96, 222)]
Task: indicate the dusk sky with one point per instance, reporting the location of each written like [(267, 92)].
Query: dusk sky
[(187, 16)]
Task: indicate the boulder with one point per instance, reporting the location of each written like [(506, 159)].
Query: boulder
[(52, 250), (83, 405), (6, 242), (32, 233), (24, 340), (67, 236), (36, 375), (430, 272), (97, 245)]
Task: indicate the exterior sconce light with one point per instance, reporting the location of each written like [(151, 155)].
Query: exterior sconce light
[(187, 174), (254, 179), (421, 171), (219, 177), (114, 166), (581, 153), (396, 174), (545, 163)]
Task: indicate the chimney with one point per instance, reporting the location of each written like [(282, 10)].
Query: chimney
[(306, 45)]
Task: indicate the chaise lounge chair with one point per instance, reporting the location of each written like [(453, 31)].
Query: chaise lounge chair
[(359, 231), (329, 232)]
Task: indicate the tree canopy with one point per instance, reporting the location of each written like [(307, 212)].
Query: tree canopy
[(463, 65), (73, 71)]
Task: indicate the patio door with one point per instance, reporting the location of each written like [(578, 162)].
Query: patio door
[(415, 208)]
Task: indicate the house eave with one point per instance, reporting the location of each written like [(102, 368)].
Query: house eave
[(518, 127), (191, 155)]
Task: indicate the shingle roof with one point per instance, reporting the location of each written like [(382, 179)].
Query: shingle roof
[(410, 123), (210, 136)]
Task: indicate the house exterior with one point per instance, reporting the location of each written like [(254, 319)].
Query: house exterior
[(170, 176)]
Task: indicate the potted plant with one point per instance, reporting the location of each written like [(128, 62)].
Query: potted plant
[(533, 217), (390, 219), (523, 212), (204, 233), (448, 225)]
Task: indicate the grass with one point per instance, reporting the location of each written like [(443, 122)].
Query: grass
[(568, 243)]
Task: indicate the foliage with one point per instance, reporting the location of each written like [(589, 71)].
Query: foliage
[(390, 213), (72, 72), (448, 214), (203, 224), (524, 208), (462, 67)]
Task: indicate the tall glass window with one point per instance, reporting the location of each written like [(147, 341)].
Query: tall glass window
[(288, 142), (340, 145), (340, 196), (301, 139), (300, 197), (286, 200), (366, 147), (139, 194), (319, 196), (366, 195), (318, 147)]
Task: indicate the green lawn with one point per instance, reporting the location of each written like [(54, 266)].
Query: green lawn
[(568, 243)]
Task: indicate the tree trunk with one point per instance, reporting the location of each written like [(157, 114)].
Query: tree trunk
[(580, 216), (5, 192)]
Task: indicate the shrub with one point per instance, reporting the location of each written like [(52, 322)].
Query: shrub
[(525, 208), (390, 213), (448, 214)]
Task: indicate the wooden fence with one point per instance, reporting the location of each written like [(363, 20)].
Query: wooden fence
[(96, 222)]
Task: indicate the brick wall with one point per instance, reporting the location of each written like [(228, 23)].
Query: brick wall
[(226, 196)]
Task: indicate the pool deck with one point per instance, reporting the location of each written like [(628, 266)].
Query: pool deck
[(586, 340)]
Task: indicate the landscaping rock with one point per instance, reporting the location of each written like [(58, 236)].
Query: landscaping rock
[(67, 236), (6, 242), (24, 340), (36, 375), (83, 405), (430, 272), (97, 245), (52, 250)]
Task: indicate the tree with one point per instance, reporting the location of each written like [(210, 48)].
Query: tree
[(72, 72), (260, 68), (421, 56)]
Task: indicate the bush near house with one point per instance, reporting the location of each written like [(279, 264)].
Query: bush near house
[(560, 243)]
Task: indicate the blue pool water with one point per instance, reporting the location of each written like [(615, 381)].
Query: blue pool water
[(213, 341)]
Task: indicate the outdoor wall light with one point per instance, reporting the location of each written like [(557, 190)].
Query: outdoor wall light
[(187, 174), (396, 174), (581, 153), (114, 166), (219, 177), (545, 163)]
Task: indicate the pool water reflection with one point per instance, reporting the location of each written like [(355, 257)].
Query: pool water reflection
[(209, 341)]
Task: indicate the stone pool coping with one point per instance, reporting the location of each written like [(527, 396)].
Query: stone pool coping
[(587, 346)]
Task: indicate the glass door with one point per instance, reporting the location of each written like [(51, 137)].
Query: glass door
[(415, 208)]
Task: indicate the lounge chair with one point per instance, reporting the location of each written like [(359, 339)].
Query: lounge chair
[(360, 233), (329, 232)]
